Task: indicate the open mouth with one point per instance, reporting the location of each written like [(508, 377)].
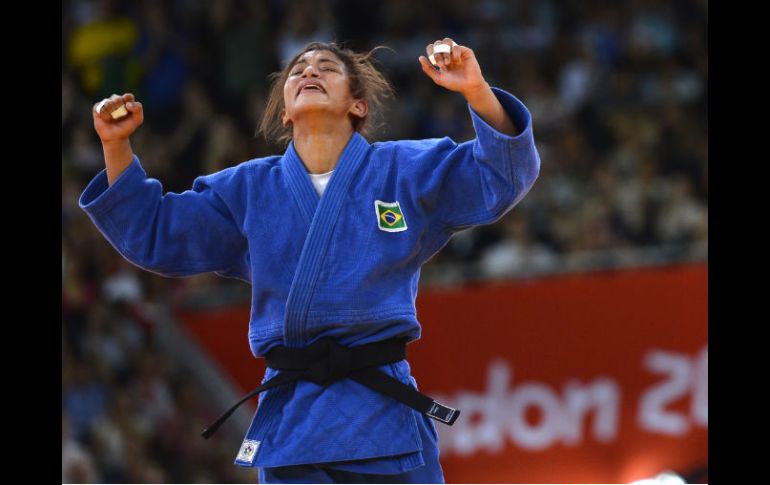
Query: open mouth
[(311, 88)]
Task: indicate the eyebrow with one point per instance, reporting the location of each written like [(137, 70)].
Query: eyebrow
[(322, 59)]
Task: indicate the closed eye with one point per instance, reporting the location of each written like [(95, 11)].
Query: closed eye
[(296, 73)]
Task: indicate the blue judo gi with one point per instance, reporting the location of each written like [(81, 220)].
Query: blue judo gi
[(345, 266)]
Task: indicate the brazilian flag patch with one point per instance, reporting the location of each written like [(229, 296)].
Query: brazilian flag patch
[(389, 216)]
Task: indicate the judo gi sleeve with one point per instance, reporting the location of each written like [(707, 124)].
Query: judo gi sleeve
[(479, 181), (169, 234)]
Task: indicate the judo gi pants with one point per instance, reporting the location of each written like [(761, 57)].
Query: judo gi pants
[(430, 472)]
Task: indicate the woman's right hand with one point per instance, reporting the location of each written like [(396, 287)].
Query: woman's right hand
[(111, 130)]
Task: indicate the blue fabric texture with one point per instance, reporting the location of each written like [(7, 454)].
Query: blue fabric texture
[(362, 471), (325, 267)]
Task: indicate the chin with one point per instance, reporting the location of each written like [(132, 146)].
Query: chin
[(307, 103), (311, 106)]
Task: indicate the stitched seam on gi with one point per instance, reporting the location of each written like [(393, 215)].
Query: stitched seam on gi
[(265, 419), (108, 199), (316, 315), (270, 330), (315, 249), (409, 414)]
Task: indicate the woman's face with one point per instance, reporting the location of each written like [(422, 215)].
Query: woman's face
[(319, 82)]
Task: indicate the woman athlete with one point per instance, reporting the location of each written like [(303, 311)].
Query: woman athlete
[(331, 235)]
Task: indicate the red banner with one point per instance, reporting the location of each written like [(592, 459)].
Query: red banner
[(599, 378)]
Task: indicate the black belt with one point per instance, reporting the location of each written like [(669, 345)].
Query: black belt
[(326, 361)]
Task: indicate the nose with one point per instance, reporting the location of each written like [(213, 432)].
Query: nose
[(313, 71)]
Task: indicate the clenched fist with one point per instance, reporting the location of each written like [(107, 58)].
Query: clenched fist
[(458, 70), (110, 129)]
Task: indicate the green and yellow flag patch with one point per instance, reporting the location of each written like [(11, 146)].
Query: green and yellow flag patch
[(389, 216)]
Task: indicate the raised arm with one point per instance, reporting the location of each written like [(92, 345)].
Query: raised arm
[(171, 234), (478, 181)]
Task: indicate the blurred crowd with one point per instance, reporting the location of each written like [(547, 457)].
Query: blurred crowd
[(618, 93)]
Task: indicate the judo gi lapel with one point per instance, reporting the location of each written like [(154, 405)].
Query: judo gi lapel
[(300, 185), (322, 215)]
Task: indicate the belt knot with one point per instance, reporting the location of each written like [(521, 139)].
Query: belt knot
[(332, 362)]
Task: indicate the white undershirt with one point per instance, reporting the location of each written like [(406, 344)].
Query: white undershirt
[(320, 180)]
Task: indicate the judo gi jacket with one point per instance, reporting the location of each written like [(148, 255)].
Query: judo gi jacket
[(345, 265)]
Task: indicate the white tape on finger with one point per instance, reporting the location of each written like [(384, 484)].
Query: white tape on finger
[(99, 106), (440, 49), (120, 112)]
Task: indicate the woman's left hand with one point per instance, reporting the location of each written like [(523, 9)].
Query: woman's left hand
[(459, 70)]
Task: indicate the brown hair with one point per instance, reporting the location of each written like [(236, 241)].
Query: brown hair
[(366, 82)]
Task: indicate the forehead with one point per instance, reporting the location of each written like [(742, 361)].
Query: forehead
[(318, 56)]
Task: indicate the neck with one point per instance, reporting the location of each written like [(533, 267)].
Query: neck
[(319, 145)]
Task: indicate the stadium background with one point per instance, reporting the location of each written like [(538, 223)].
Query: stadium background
[(596, 282)]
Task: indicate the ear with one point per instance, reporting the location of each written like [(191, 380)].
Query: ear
[(359, 108), (285, 118)]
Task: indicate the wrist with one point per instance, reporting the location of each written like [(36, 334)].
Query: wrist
[(115, 143), (118, 151), (475, 93)]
